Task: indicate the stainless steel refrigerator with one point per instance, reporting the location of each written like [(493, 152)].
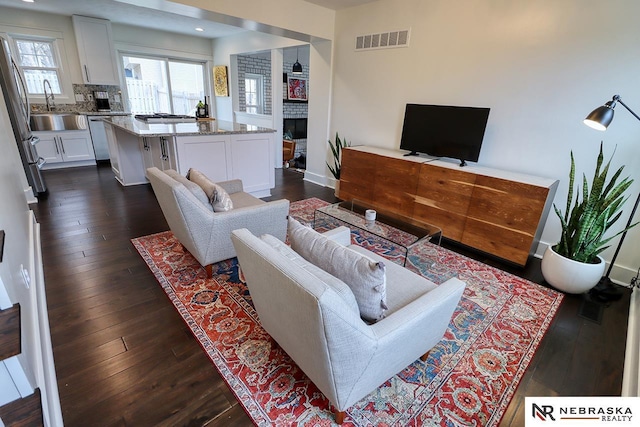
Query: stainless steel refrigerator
[(15, 96)]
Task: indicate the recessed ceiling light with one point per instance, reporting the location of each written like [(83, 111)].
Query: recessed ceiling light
[(29, 1), (199, 29)]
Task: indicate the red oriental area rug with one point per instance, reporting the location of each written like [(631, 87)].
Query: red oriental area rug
[(469, 378)]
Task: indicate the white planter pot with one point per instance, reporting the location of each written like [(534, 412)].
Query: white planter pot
[(568, 275)]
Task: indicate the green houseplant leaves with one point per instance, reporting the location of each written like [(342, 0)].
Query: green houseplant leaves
[(589, 217), (336, 150)]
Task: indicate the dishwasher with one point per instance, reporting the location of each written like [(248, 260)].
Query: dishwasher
[(99, 137)]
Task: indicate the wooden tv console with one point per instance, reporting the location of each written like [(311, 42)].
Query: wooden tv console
[(498, 212)]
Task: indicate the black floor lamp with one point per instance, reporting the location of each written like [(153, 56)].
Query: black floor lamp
[(599, 119)]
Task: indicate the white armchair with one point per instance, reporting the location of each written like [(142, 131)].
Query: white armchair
[(307, 314), (207, 234)]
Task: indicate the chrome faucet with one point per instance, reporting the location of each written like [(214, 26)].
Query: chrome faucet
[(49, 99)]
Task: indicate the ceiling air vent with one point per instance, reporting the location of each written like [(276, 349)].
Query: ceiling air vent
[(386, 40)]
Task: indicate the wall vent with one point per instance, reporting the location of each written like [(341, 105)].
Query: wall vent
[(385, 40)]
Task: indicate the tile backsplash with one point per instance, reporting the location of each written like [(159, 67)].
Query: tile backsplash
[(87, 105)]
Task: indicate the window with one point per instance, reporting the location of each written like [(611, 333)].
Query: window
[(161, 85), (187, 86), (38, 61), (254, 93)]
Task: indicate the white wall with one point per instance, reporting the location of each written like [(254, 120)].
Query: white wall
[(14, 221), (250, 42), (319, 112), (541, 67), (320, 57), (22, 282), (144, 39)]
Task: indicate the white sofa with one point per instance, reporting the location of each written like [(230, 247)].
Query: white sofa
[(307, 314), (207, 234)]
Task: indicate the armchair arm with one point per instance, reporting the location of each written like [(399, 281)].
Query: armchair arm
[(430, 310), (400, 340), (232, 186), (265, 218)]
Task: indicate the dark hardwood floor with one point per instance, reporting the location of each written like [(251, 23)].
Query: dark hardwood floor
[(125, 358)]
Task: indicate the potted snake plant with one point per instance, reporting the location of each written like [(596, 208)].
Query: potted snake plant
[(336, 151), (574, 264)]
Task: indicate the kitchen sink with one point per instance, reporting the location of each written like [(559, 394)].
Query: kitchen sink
[(58, 121)]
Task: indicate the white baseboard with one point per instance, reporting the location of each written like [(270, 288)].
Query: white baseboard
[(29, 197), (45, 371), (631, 376), (315, 178), (64, 165)]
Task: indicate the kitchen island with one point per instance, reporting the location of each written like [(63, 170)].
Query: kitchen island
[(219, 149)]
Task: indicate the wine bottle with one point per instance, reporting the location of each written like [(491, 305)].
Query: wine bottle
[(200, 109), (206, 106)]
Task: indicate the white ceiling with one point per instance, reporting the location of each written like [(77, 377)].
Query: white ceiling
[(123, 13), (339, 4)]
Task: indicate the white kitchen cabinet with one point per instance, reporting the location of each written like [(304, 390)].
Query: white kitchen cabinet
[(48, 148), (208, 153), (65, 149), (249, 157), (96, 51), (76, 146), (225, 151), (252, 160)]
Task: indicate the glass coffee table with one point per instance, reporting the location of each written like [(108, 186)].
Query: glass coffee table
[(399, 230)]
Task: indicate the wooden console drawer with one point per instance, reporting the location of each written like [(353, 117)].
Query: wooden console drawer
[(356, 175), (504, 216), (443, 198), (395, 185)]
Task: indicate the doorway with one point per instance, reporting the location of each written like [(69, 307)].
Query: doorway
[(295, 111)]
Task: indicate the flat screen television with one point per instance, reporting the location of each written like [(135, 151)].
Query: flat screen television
[(444, 131)]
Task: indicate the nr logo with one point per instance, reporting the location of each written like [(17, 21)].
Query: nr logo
[(543, 412)]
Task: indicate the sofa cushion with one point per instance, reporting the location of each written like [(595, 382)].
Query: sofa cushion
[(194, 188), (365, 277), (338, 286), (217, 195)]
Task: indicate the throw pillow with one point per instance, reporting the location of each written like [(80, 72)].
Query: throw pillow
[(218, 197), (365, 277), (194, 188), (338, 286)]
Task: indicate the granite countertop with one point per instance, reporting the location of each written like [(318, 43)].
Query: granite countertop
[(104, 113), (82, 113), (209, 127)]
